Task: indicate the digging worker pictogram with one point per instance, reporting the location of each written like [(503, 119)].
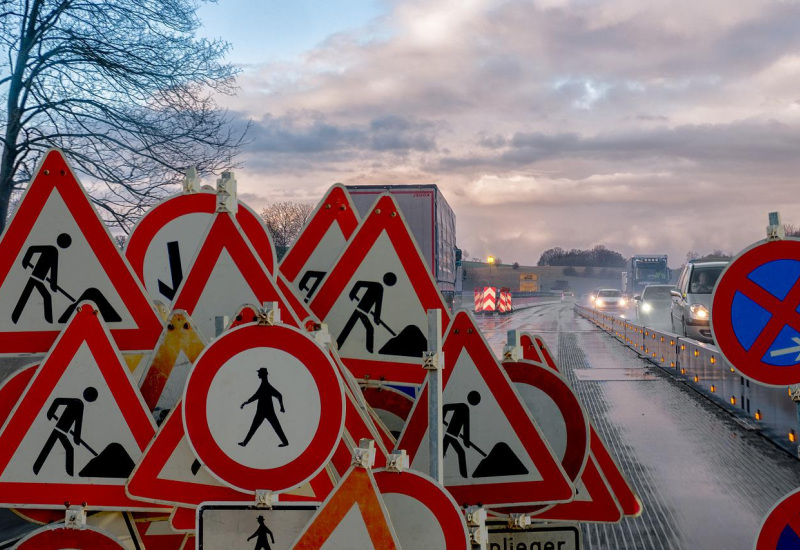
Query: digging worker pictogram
[(69, 423), (369, 303)]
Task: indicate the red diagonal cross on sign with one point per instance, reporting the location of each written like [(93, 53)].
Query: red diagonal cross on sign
[(784, 312), (736, 279)]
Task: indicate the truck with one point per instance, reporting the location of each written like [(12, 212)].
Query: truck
[(643, 270), (432, 223)]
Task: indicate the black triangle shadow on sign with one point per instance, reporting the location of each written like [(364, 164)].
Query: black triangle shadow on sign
[(351, 299), (55, 253), (482, 408)]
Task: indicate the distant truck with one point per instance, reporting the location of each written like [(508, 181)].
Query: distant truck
[(643, 270), (432, 222)]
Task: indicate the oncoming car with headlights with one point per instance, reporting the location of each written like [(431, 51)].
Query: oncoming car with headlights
[(653, 306), (690, 312), (609, 299)]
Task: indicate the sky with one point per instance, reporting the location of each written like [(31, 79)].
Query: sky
[(647, 127)]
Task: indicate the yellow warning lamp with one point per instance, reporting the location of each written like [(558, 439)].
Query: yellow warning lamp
[(792, 436), (733, 400), (696, 378), (713, 360), (758, 414)]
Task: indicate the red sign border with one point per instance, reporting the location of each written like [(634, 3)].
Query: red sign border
[(295, 343), (552, 488), (85, 326), (722, 301), (383, 216), (55, 174)]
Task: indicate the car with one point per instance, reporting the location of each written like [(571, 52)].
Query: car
[(567, 296), (654, 305), (690, 311), (609, 299), (593, 295)]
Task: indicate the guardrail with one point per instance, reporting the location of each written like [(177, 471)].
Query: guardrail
[(757, 407)]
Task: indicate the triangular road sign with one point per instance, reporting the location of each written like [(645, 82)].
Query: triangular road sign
[(376, 297), (225, 274), (169, 473), (57, 252), (320, 242), (594, 502), (166, 372), (610, 470), (353, 517), (164, 242), (79, 428), (494, 453)]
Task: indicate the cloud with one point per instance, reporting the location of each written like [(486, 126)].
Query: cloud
[(668, 124)]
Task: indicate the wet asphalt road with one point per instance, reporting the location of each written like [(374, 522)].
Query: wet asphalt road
[(704, 480)]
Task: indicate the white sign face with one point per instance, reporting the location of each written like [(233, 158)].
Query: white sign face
[(55, 269), (378, 315), (80, 436), (280, 418), (544, 538), (319, 262), (241, 527), (549, 417), (491, 453), (170, 254), (224, 292), (414, 523)]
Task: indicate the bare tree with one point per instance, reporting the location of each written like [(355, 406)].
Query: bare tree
[(791, 230), (284, 221), (122, 86)]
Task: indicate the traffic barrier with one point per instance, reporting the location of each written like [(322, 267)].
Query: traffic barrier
[(478, 300), (758, 407), (489, 299), (504, 305)]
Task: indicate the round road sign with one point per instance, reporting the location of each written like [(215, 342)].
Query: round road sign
[(781, 528), (423, 513), (264, 408), (58, 537), (755, 318)]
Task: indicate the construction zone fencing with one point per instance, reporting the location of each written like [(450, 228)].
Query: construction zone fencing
[(768, 409)]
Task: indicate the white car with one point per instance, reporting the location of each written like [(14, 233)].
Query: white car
[(610, 299)]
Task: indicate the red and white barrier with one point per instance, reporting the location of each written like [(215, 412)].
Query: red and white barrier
[(478, 300), (489, 299), (505, 302)]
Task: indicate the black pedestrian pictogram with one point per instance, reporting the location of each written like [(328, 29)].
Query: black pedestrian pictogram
[(310, 281), (44, 279), (113, 462), (409, 343), (261, 535), (500, 461), (265, 409)]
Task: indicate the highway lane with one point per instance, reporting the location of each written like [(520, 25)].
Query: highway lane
[(705, 481)]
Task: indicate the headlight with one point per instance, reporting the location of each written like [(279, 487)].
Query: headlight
[(698, 311), (623, 302), (598, 302), (646, 307)]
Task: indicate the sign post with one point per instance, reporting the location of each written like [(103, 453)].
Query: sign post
[(433, 364)]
